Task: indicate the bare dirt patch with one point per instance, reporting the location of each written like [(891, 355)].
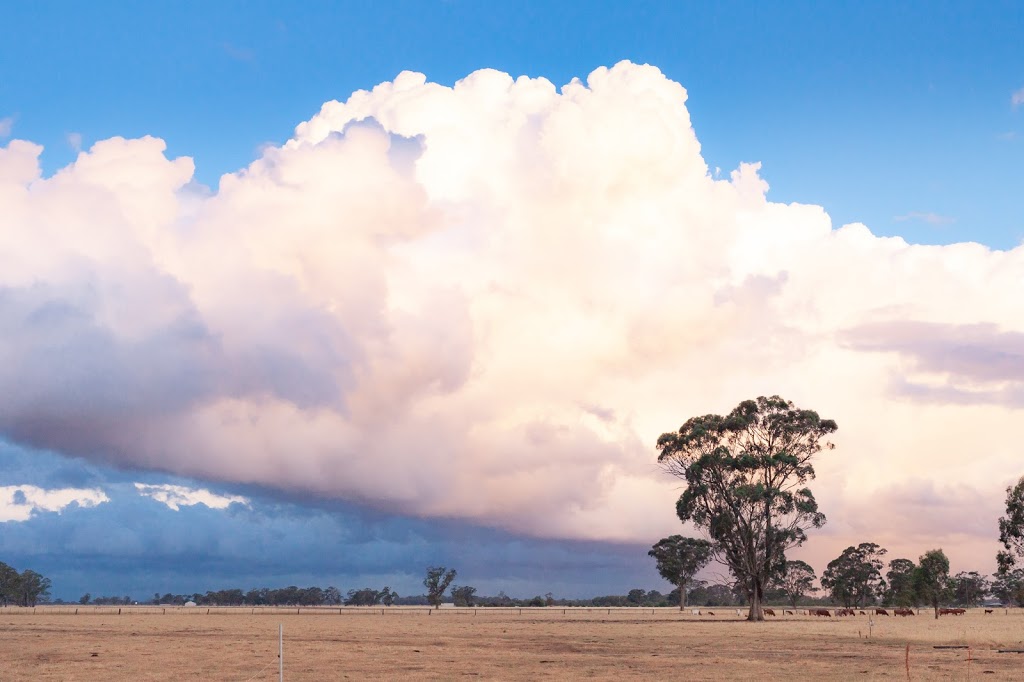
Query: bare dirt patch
[(331, 644)]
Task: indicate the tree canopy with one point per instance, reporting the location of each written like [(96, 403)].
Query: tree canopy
[(463, 595), (969, 588), (854, 578), (796, 581), (931, 578), (746, 475), (900, 590), (1011, 528), (27, 588), (678, 560), (437, 581)]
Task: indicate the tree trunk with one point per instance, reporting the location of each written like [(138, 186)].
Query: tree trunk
[(756, 598), (682, 594)]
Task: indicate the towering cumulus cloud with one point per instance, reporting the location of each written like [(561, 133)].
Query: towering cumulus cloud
[(486, 302)]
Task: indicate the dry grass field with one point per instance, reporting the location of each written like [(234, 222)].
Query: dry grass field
[(150, 643)]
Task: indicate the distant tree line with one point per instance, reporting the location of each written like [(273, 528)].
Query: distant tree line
[(27, 588)]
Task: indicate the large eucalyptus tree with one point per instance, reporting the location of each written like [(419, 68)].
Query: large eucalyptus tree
[(746, 477)]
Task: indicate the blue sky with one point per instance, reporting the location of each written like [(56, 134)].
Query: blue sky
[(874, 110), (898, 115)]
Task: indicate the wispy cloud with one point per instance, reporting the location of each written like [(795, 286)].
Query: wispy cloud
[(6, 126), (74, 141), (177, 496), (925, 217), (241, 54), (17, 502), (1017, 98)]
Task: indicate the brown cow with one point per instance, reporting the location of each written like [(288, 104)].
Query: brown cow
[(903, 612), (988, 610), (820, 612), (711, 613), (881, 612), (769, 612), (945, 612), (863, 614), (959, 612), (790, 613)]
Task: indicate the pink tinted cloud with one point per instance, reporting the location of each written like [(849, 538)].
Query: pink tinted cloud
[(483, 301)]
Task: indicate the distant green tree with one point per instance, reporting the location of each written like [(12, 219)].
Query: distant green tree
[(437, 581), (463, 595), (900, 589), (332, 595), (255, 596), (678, 559), (854, 578), (85, 599), (796, 581), (364, 597), (969, 588), (9, 584), (1008, 586), (931, 578), (32, 588), (720, 595), (636, 597), (387, 596)]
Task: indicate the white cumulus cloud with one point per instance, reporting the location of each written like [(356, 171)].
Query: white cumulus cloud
[(18, 502), (486, 302), (177, 496)]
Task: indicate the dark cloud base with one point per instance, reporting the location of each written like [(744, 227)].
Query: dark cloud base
[(136, 546)]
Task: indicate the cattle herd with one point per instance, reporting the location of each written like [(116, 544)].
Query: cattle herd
[(828, 613), (880, 612)]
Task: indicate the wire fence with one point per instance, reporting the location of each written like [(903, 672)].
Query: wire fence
[(672, 612)]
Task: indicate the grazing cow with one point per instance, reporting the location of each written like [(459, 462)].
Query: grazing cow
[(845, 612), (711, 613), (945, 612), (903, 612), (820, 612), (959, 612), (769, 612), (863, 614), (988, 610), (790, 613), (881, 612)]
